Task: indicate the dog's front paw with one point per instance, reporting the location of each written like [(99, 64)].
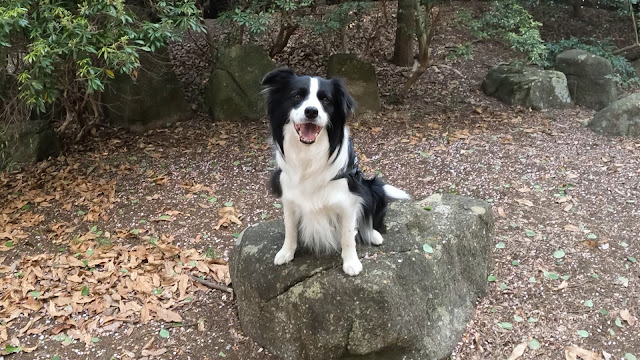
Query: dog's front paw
[(352, 267), (284, 256)]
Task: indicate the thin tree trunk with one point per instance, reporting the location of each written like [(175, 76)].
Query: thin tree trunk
[(405, 33), (577, 8), (384, 12), (282, 39), (425, 28)]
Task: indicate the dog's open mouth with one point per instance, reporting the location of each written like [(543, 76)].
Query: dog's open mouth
[(308, 132)]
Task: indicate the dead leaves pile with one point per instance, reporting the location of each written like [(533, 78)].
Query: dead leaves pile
[(571, 352), (66, 184), (109, 285)]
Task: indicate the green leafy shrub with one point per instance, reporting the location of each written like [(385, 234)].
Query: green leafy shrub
[(252, 18), (336, 22), (509, 22), (464, 51), (625, 73), (65, 51)]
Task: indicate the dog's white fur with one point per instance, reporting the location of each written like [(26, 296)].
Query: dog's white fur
[(321, 211)]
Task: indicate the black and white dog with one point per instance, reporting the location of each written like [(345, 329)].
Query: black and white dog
[(325, 197)]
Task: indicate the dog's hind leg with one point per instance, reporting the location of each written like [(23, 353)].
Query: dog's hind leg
[(367, 233), (376, 238), (288, 250)]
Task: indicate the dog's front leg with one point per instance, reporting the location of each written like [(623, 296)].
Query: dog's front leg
[(351, 265), (290, 234)]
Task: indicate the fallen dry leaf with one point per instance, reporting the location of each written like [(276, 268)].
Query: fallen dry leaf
[(563, 285), (524, 202), (501, 212), (573, 228), (518, 351), (228, 215), (572, 352), (626, 316), (157, 352)]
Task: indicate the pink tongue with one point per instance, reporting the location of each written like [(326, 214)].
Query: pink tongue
[(309, 131)]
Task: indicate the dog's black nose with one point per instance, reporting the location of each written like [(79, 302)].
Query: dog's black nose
[(311, 112)]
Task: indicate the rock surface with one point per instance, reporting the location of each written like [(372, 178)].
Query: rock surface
[(155, 99), (360, 77), (588, 78), (527, 86), (414, 297), (622, 118), (233, 92), (27, 142), (636, 65)]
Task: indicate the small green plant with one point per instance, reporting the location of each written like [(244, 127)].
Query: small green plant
[(463, 17), (509, 22), (464, 51)]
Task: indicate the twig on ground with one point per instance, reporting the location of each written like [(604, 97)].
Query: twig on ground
[(212, 285)]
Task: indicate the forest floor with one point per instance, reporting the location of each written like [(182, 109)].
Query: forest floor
[(98, 246)]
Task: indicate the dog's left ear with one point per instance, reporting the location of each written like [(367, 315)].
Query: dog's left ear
[(277, 77), (342, 96)]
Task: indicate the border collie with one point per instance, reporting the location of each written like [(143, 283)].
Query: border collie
[(326, 199)]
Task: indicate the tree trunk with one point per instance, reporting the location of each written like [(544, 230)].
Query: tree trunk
[(425, 30), (405, 33), (282, 39), (577, 8)]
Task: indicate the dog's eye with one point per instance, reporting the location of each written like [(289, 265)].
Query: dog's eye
[(326, 101), (297, 97)]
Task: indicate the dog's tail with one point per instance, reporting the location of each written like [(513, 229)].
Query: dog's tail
[(393, 193)]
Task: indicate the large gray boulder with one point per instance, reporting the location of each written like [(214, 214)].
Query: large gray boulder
[(636, 65), (360, 77), (154, 99), (622, 118), (233, 91), (527, 86), (26, 142), (589, 78), (414, 297)]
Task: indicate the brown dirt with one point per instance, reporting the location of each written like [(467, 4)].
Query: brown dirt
[(554, 185)]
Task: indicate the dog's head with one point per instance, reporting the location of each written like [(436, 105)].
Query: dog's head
[(311, 104)]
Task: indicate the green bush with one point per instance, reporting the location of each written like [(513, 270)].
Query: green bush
[(252, 18), (66, 51), (339, 18), (509, 22), (625, 73)]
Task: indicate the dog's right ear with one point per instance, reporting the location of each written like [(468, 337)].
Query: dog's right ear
[(277, 78)]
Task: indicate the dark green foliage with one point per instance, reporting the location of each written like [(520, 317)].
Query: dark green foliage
[(625, 73), (341, 16), (253, 17), (65, 51), (464, 51), (509, 22)]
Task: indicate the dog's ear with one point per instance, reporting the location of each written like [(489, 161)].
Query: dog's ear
[(277, 78), (342, 96)]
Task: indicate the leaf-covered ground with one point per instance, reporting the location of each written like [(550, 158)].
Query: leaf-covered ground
[(101, 247)]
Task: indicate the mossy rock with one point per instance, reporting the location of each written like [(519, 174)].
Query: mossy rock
[(360, 77), (27, 142), (154, 99), (527, 86), (410, 302), (589, 78), (622, 118), (234, 88)]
